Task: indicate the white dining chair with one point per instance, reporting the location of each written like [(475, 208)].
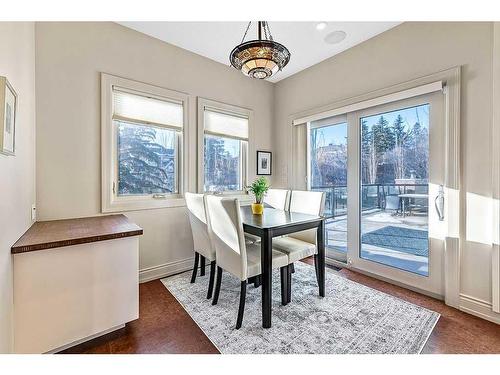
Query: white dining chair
[(233, 254), (302, 244), (203, 248), (275, 198)]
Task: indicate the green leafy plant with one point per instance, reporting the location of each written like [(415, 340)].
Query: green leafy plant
[(259, 188)]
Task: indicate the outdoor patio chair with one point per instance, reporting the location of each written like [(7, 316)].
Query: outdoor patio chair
[(392, 202)]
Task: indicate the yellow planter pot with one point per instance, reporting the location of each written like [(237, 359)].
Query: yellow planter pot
[(257, 208)]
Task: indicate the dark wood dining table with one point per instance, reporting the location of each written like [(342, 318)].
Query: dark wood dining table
[(274, 223)]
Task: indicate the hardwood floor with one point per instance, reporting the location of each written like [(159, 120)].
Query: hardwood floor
[(165, 327)]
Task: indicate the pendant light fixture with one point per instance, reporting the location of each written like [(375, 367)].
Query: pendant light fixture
[(259, 58)]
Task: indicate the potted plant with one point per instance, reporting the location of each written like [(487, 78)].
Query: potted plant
[(259, 189)]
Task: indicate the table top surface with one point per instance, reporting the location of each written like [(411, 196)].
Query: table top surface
[(59, 233), (413, 195), (273, 218)]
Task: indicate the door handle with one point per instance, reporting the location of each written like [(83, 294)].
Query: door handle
[(439, 203)]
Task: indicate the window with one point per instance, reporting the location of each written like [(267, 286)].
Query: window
[(222, 163), (224, 131), (143, 132), (147, 159)]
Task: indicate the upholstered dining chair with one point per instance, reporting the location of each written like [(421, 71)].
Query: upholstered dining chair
[(233, 254), (301, 245), (277, 198), (203, 248)]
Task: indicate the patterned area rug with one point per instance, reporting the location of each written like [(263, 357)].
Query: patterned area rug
[(406, 240), (351, 318)]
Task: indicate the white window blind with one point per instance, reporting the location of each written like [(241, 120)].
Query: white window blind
[(334, 120), (133, 107), (225, 124)]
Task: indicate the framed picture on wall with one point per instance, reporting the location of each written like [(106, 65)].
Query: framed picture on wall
[(264, 163), (8, 104)]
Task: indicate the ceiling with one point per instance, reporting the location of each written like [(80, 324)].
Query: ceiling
[(305, 42)]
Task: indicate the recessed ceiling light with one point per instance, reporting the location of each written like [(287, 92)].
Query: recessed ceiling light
[(335, 37), (321, 26)]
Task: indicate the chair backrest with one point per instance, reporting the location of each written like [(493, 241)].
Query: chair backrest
[(277, 198), (226, 233), (307, 202), (392, 202), (198, 219)]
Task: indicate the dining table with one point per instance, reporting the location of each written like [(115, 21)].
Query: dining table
[(274, 223)]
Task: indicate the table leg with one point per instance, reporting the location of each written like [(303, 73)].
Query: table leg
[(321, 257), (266, 257)]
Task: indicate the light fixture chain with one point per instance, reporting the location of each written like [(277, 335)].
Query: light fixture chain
[(268, 31), (246, 31)]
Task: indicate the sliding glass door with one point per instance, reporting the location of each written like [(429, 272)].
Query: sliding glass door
[(382, 170)]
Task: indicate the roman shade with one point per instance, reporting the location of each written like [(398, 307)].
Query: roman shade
[(225, 124), (333, 120), (133, 107)]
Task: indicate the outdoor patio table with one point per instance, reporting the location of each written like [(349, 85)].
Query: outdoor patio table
[(274, 223), (410, 195)]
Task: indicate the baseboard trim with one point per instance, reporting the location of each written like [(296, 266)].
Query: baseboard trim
[(164, 270), (495, 278), (479, 308), (85, 339)]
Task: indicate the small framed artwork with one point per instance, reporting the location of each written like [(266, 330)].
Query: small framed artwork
[(8, 104), (264, 162)]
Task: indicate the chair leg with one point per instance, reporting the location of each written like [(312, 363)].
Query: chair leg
[(217, 286), (289, 285), (293, 267), (195, 267), (284, 285), (316, 267), (211, 280), (257, 282), (202, 266), (241, 309)]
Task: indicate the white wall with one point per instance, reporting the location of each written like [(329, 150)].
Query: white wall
[(403, 53), (17, 181), (69, 58)]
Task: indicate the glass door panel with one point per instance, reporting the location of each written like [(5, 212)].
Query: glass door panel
[(328, 173), (396, 168), (394, 188)]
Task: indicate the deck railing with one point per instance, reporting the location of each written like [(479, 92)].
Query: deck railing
[(373, 196)]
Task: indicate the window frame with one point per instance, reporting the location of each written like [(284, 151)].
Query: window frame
[(245, 146), (110, 200)]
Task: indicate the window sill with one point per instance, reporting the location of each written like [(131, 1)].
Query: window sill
[(169, 202), (146, 203)]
